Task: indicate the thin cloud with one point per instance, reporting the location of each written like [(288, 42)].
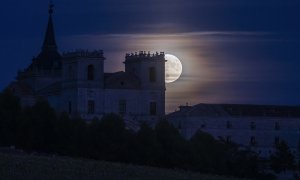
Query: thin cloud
[(182, 34), (218, 66)]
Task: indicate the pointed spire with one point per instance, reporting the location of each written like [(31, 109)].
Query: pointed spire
[(49, 41), (49, 58), (51, 6)]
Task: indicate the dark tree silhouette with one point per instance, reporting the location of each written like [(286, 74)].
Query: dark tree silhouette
[(112, 139), (38, 129), (282, 159), (64, 135), (209, 154), (146, 148), (175, 149), (219, 157), (10, 112)]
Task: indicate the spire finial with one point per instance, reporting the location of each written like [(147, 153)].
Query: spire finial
[(51, 6), (49, 42)]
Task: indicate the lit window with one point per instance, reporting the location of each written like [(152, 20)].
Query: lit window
[(91, 107), (152, 108), (152, 74), (122, 106), (90, 72)]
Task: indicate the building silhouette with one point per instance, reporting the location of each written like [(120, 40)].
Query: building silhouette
[(76, 82), (255, 127)]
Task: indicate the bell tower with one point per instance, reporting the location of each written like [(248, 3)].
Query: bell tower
[(45, 68), (150, 69), (83, 83)]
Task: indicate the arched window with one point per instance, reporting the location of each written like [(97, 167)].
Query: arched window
[(90, 72)]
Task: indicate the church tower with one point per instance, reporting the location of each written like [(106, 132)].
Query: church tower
[(150, 69), (75, 82), (45, 69), (83, 83)]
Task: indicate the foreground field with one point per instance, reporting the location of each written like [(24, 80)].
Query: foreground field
[(24, 166)]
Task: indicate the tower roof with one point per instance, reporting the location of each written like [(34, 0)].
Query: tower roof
[(49, 41), (49, 58)]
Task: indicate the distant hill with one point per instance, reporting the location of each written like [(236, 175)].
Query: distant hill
[(26, 166)]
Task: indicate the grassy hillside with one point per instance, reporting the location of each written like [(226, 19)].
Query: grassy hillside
[(24, 166)]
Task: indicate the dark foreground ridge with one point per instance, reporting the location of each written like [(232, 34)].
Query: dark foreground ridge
[(26, 166)]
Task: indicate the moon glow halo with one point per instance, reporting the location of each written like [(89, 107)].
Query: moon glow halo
[(173, 68)]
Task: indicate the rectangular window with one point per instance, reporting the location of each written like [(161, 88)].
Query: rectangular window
[(228, 125), (152, 74), (90, 72), (228, 139), (122, 106), (252, 141), (277, 126), (203, 126), (276, 141), (152, 108), (70, 74), (91, 107), (70, 107), (252, 125)]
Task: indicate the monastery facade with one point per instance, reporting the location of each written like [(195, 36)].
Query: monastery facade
[(76, 82)]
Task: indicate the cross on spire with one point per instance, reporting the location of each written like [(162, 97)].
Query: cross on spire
[(49, 58), (51, 7), (49, 41)]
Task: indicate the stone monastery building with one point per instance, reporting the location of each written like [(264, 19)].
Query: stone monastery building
[(256, 127), (75, 82)]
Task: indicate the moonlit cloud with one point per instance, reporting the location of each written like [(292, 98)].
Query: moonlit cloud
[(218, 66), (232, 51)]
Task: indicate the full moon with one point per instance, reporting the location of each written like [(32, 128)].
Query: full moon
[(173, 68)]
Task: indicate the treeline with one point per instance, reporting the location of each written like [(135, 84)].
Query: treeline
[(40, 129)]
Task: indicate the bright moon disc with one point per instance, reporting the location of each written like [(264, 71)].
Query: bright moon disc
[(173, 68)]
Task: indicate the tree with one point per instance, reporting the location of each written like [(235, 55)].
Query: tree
[(175, 149), (37, 128), (282, 159), (146, 148), (65, 135), (79, 137), (10, 111), (220, 157), (111, 139), (208, 153)]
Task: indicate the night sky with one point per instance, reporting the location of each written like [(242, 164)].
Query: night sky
[(233, 51)]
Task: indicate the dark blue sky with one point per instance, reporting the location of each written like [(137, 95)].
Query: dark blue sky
[(233, 51)]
